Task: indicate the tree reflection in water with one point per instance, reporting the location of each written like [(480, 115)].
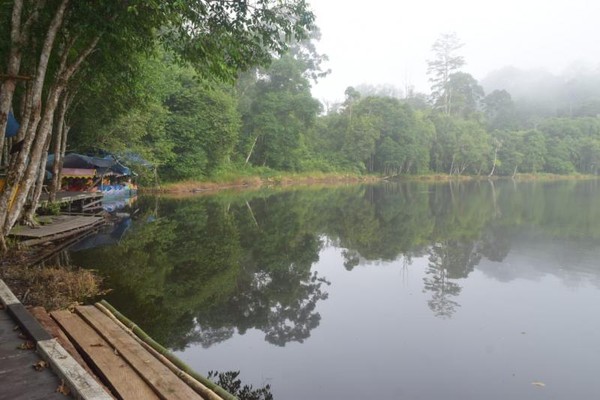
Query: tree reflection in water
[(200, 270)]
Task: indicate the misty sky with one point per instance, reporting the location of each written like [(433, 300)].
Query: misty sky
[(387, 41)]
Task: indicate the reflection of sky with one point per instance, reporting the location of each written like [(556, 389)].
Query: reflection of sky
[(534, 256), (378, 338)]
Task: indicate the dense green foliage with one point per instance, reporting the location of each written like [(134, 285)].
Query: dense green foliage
[(193, 128), (92, 66)]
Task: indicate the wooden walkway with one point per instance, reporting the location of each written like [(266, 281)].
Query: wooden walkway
[(68, 197), (18, 377), (54, 227), (119, 358), (79, 202)]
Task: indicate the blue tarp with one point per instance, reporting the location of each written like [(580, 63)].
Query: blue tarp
[(12, 126)]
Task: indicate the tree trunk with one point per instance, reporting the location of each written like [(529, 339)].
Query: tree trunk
[(63, 149), (30, 172), (36, 191), (251, 150), (452, 165), (44, 127), (7, 89), (494, 163), (14, 180), (60, 132)]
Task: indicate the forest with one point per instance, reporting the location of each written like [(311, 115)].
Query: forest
[(209, 90), (192, 127)]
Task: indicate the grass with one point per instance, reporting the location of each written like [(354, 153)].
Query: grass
[(552, 177), (51, 287), (255, 177), (259, 178)]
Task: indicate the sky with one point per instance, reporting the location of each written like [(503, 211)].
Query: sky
[(388, 42)]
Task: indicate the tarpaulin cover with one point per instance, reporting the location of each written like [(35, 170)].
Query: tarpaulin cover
[(78, 173), (104, 166), (12, 126)]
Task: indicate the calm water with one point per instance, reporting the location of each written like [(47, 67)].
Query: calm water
[(399, 291)]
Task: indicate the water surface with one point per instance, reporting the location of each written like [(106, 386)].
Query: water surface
[(396, 291)]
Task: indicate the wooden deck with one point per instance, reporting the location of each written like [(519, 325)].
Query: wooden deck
[(55, 227), (120, 360), (67, 197), (78, 202), (18, 378)]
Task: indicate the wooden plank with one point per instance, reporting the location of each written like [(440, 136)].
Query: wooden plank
[(52, 327), (93, 203), (6, 295), (18, 379), (72, 232), (71, 372), (124, 382), (28, 384), (62, 225), (66, 197), (29, 324), (156, 374)]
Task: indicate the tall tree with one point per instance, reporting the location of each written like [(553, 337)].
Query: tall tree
[(278, 109), (466, 94), (445, 62)]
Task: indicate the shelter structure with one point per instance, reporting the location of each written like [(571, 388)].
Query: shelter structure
[(87, 173)]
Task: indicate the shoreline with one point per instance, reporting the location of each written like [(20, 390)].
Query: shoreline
[(256, 182)]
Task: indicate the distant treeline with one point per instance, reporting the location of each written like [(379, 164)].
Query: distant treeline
[(194, 131), (192, 128)]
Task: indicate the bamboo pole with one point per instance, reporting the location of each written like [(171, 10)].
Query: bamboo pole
[(175, 364), (198, 387)]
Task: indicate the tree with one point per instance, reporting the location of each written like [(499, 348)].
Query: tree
[(202, 125), (510, 153), (278, 109), (499, 110), (218, 37), (466, 94), (444, 63), (534, 146)]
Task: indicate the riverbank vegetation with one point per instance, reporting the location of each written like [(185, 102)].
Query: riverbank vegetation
[(84, 67), (53, 287), (199, 91), (268, 124)]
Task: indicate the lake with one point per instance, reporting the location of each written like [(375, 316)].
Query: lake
[(474, 290)]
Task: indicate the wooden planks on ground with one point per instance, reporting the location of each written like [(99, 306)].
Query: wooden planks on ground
[(124, 382), (55, 331), (119, 360), (67, 197), (59, 224), (18, 379), (164, 382)]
